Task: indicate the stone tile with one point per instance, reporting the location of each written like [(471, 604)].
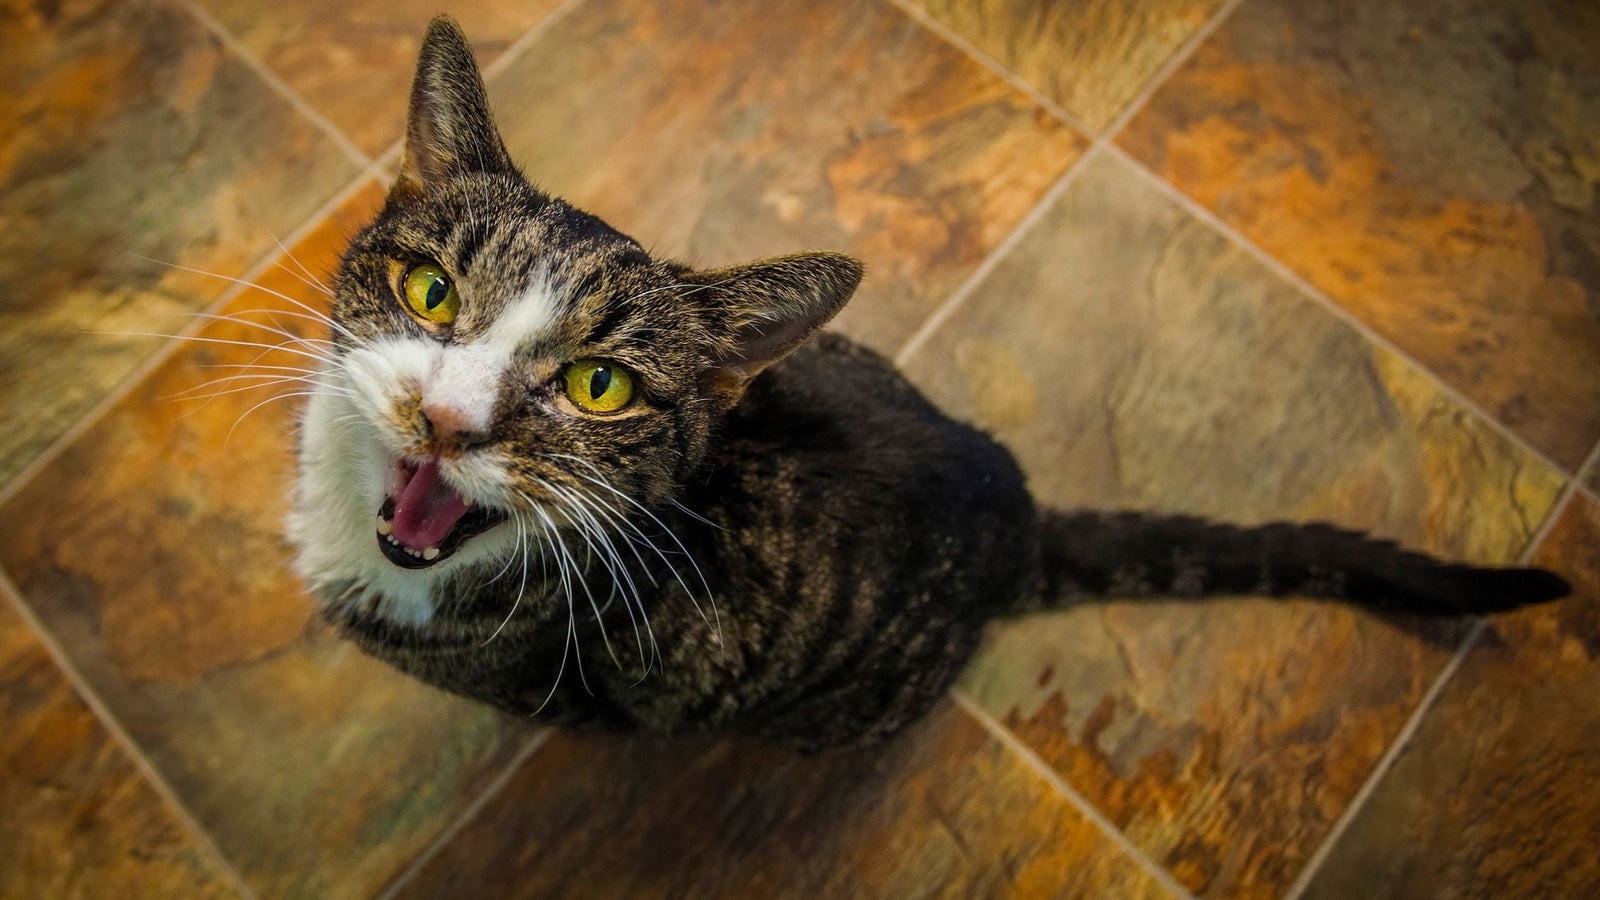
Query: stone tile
[(1494, 796), (150, 548), (718, 132), (1132, 357), (80, 820), (1091, 58), (944, 810), (1430, 166), (127, 131), (352, 61)]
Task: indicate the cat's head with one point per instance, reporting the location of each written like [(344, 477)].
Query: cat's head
[(500, 355)]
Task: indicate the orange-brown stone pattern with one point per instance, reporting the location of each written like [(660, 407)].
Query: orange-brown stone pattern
[(942, 811), (724, 131), (151, 550), (1091, 57), (1495, 795), (80, 821), (120, 150), (1133, 358), (352, 60), (1430, 166)]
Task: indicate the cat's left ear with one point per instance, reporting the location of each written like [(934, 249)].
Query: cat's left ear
[(768, 308), (449, 131)]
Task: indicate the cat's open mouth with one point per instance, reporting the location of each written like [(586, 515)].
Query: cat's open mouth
[(424, 520)]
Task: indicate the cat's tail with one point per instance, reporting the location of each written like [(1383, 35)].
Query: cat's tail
[(1129, 555)]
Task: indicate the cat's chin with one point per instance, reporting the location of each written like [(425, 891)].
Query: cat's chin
[(476, 521)]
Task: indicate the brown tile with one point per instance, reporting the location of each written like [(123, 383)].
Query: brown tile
[(80, 820), (1090, 58), (1495, 795), (1132, 357), (151, 549), (718, 132), (352, 60), (127, 131), (1430, 166), (944, 810)]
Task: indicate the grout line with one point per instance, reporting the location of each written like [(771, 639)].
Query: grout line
[(277, 84), (1178, 59), (1181, 56), (921, 17), (1385, 763), (467, 815), (515, 48), (1197, 209), (161, 354), (1414, 721), (1081, 803), (1001, 251), (1590, 467), (1557, 510), (102, 713)]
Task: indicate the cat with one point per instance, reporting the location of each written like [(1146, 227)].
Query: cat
[(553, 473)]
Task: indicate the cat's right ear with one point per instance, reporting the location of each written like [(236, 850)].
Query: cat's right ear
[(449, 131)]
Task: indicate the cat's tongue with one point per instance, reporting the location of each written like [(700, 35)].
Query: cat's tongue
[(426, 508)]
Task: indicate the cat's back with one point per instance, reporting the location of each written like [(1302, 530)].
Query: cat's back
[(862, 537), (840, 419)]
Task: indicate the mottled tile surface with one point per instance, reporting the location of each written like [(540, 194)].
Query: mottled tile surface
[(1431, 166), (1495, 795), (151, 549), (127, 131), (80, 820), (352, 60), (1131, 357), (943, 811), (1090, 57), (718, 132)]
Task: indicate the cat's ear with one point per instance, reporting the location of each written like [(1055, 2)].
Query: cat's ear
[(449, 130), (766, 309)]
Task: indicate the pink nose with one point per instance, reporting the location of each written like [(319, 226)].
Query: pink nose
[(453, 426)]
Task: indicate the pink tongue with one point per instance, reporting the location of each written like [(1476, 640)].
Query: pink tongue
[(426, 508)]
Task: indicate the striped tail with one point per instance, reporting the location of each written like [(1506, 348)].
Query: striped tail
[(1127, 555)]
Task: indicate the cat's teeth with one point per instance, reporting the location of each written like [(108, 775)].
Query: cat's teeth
[(431, 553), (384, 525)]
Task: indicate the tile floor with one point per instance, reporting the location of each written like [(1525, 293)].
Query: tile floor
[(1307, 259)]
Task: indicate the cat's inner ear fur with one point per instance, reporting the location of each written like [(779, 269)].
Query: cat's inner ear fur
[(766, 309), (449, 131)]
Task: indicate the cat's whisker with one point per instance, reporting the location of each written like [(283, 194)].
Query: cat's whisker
[(521, 588), (631, 535), (237, 422), (564, 559), (277, 326), (621, 579), (239, 281), (299, 369), (270, 380), (322, 348), (196, 339), (601, 482), (310, 280), (599, 619)]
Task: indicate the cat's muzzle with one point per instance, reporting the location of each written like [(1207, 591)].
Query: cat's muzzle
[(423, 520)]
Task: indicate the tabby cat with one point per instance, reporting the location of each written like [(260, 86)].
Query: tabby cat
[(549, 471)]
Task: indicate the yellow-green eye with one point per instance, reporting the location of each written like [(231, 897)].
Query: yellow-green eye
[(431, 294), (599, 386)]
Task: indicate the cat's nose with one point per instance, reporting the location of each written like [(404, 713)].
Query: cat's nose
[(453, 426)]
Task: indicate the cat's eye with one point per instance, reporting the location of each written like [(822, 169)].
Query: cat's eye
[(431, 294), (599, 386)]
